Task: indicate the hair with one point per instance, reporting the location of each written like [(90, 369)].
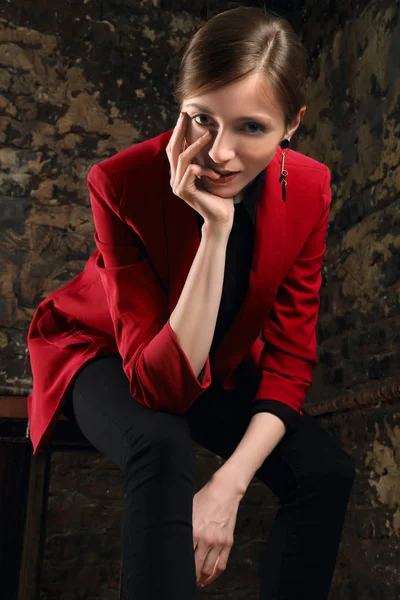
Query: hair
[(241, 42)]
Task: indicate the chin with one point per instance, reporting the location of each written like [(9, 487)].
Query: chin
[(224, 193)]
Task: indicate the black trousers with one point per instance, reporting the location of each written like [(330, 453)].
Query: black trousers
[(310, 474)]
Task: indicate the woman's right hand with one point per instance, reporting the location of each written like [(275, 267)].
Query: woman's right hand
[(213, 209)]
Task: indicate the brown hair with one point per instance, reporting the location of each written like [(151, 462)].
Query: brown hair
[(241, 42)]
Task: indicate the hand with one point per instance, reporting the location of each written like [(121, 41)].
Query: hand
[(185, 184), (215, 508)]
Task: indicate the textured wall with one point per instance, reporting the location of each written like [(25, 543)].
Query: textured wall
[(352, 125), (78, 82)]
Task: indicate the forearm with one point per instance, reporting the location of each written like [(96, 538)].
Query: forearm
[(195, 315), (264, 432)]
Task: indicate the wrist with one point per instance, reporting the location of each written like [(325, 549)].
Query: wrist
[(225, 477), (216, 229)]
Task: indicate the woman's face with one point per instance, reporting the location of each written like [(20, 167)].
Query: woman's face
[(239, 144)]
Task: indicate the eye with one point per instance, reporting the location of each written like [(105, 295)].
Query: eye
[(195, 116), (261, 128)]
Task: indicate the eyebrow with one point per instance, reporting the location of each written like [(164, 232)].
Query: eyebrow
[(248, 118)]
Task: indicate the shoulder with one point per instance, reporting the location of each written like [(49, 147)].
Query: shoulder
[(146, 156), (300, 160), (310, 174)]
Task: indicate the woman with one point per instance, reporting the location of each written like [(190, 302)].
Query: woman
[(195, 319)]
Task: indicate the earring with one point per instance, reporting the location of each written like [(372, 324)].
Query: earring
[(282, 179)]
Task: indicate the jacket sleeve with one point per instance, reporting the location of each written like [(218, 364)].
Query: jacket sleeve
[(158, 370), (289, 353)]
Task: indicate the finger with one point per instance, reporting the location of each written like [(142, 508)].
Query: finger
[(181, 169), (189, 190), (209, 564), (216, 572), (188, 181), (178, 132), (177, 143), (174, 146), (200, 556), (220, 565), (185, 158)]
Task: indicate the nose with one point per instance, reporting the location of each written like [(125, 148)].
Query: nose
[(220, 149)]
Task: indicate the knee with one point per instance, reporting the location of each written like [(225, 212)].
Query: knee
[(343, 467), (338, 472)]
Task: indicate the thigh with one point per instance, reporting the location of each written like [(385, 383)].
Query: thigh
[(218, 420), (101, 404), (311, 451), (307, 457)]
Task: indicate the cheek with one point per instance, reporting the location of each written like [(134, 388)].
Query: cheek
[(190, 134), (189, 139), (255, 161), (262, 154)]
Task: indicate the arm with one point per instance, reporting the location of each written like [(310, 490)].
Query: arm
[(290, 353), (287, 359), (195, 315), (160, 373), (264, 432)]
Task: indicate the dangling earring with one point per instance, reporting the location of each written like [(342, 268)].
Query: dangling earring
[(282, 179)]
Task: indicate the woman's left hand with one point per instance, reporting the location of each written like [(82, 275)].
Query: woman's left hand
[(215, 508)]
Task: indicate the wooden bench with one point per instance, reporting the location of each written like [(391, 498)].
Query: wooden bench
[(24, 485)]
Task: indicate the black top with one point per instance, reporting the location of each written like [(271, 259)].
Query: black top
[(239, 254)]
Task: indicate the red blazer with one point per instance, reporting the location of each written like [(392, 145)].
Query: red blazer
[(147, 239)]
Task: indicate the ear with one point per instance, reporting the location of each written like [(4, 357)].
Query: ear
[(302, 111), (296, 122)]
